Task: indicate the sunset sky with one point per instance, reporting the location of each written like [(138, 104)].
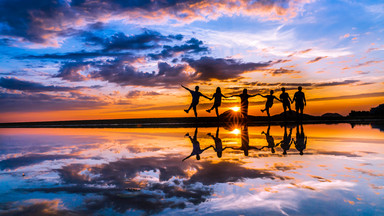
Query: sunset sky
[(89, 59)]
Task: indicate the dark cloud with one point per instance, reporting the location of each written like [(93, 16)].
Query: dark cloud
[(191, 46), (118, 71), (316, 59), (281, 71), (22, 85), (29, 159), (208, 68), (336, 83), (75, 55), (356, 96), (71, 71), (223, 172), (137, 93), (36, 207), (12, 102)]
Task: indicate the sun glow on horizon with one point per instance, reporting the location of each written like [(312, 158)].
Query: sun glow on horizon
[(236, 109), (236, 131)]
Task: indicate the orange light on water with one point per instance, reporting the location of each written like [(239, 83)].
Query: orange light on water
[(236, 109), (236, 131)]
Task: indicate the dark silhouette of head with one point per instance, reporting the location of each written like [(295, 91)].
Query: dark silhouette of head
[(271, 92), (245, 91), (299, 88), (197, 88), (218, 90), (219, 154), (283, 89), (301, 153), (197, 157)]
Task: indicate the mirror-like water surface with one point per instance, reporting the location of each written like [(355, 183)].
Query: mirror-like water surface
[(276, 170)]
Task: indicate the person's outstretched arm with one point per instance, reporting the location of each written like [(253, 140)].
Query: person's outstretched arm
[(294, 98), (186, 88), (289, 98), (187, 157), (277, 99), (254, 95), (211, 146), (264, 96), (205, 96)]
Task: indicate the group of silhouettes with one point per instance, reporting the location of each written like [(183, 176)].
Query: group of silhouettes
[(285, 144), (285, 99)]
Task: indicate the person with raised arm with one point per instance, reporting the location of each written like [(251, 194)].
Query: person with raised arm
[(269, 102), (244, 102), (270, 140), (299, 98), (195, 99), (217, 96), (196, 146)]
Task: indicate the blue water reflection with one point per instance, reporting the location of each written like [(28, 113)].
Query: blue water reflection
[(235, 170)]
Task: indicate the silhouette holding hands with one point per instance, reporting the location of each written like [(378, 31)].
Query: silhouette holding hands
[(217, 96), (286, 100), (270, 140), (299, 98), (218, 144), (196, 146), (195, 99), (287, 141), (244, 102), (269, 102), (301, 139)]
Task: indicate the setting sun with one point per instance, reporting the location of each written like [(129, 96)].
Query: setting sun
[(236, 131), (236, 109)]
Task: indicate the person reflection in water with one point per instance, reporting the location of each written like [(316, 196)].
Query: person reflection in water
[(270, 140), (217, 96), (244, 102), (301, 139), (218, 144), (245, 141), (196, 146), (195, 99), (287, 141)]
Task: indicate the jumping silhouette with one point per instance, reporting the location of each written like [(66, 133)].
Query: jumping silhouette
[(218, 95), (301, 139), (218, 144), (269, 102), (270, 140), (196, 146), (195, 99), (244, 102), (286, 100), (299, 97), (245, 141), (287, 141)]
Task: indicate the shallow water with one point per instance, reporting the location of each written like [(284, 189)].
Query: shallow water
[(327, 170)]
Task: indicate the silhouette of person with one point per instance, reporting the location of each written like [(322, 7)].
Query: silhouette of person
[(218, 144), (286, 100), (270, 140), (269, 102), (301, 139), (217, 95), (195, 99), (245, 141), (196, 146), (244, 102), (299, 97), (287, 141)]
